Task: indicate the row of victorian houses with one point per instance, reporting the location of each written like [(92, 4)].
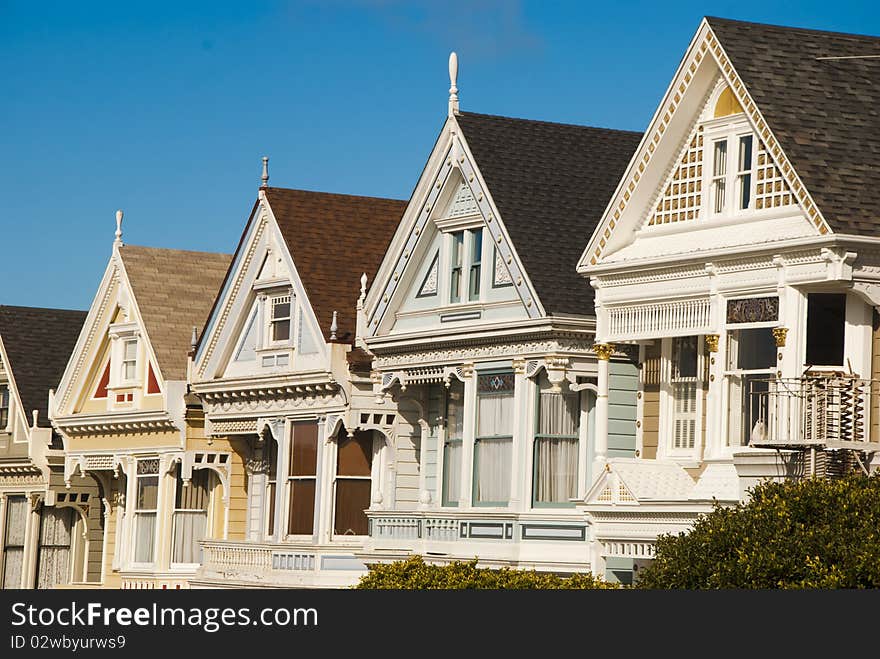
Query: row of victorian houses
[(568, 341)]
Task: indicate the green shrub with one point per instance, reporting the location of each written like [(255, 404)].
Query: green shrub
[(415, 574), (813, 533)]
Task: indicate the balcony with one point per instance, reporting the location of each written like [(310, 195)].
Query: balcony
[(824, 411), (241, 564)]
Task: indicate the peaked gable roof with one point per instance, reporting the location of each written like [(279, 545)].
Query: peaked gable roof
[(551, 183), (333, 239), (174, 290), (824, 112), (38, 345)]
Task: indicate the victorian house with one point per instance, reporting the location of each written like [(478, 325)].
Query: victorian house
[(278, 374), (482, 335), (739, 256), (49, 535), (127, 422)]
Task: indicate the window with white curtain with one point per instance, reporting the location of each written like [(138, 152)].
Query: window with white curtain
[(493, 444), (192, 503), (146, 504), (56, 533), (556, 445), (452, 443), (13, 544), (129, 360)]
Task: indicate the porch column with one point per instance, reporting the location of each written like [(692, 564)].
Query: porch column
[(603, 355), (520, 437), (281, 473), (424, 437)]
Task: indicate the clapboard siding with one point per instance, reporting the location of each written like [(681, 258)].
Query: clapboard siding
[(623, 383), (651, 401)]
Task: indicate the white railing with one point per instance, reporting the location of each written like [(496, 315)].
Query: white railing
[(660, 318), (222, 556), (814, 410), (414, 526)]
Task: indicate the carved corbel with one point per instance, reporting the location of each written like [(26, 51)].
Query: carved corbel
[(779, 334), (555, 365)]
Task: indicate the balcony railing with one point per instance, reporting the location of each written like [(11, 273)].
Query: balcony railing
[(823, 411)]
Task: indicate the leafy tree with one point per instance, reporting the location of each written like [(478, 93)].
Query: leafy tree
[(812, 533), (415, 574)]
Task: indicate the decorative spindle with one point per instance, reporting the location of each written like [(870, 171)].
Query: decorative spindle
[(333, 327), (118, 240), (453, 79), (265, 177), (194, 339)]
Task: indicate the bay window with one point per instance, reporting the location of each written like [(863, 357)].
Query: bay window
[(354, 464), (556, 446), (302, 479), (493, 444), (17, 511), (451, 488), (146, 506), (192, 505)]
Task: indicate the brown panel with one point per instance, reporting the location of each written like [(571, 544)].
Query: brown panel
[(355, 456), (651, 401), (302, 507), (271, 495), (352, 498), (152, 383), (101, 391), (304, 456)]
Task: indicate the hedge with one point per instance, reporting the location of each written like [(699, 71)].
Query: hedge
[(415, 574), (813, 533)]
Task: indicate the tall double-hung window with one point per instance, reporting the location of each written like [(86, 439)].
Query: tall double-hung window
[(4, 406), (556, 445), (146, 506), (302, 478), (452, 443), (13, 541), (465, 260), (732, 168), (192, 504), (493, 444)]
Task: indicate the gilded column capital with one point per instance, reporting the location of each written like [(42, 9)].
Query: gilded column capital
[(779, 333), (711, 342), (603, 351)]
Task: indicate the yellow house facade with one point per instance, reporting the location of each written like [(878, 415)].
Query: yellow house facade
[(126, 420)]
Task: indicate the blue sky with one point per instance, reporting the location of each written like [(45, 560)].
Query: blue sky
[(164, 109)]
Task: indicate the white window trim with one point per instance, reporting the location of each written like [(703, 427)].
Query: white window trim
[(731, 129), (466, 262), (666, 446)]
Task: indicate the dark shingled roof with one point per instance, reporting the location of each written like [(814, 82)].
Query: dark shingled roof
[(38, 344), (551, 184), (334, 239), (825, 113), (174, 290)]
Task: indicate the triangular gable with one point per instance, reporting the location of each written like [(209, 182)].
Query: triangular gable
[(237, 326), (627, 482), (669, 140), (83, 387), (450, 181)]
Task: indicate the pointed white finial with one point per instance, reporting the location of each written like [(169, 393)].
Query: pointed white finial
[(453, 78), (265, 177), (194, 339), (118, 240), (333, 327), (36, 414)]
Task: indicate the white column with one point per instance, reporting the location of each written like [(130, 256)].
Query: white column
[(468, 433), (424, 438), (714, 436), (519, 456), (281, 473), (600, 456)]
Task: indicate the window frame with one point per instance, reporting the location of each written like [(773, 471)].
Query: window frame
[(464, 240), (125, 361), (538, 436), (475, 466), (5, 406), (273, 300), (667, 448), (347, 477), (445, 501), (732, 130), (213, 482), (291, 477), (138, 512)]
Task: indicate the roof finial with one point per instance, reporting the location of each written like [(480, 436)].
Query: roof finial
[(363, 296), (118, 240), (453, 78), (194, 339), (265, 177), (333, 327)]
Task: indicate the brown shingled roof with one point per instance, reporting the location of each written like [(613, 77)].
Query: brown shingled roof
[(333, 239), (174, 290), (825, 113), (38, 344)]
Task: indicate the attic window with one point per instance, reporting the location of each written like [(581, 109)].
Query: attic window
[(727, 104), (129, 360), (4, 406), (280, 319)]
